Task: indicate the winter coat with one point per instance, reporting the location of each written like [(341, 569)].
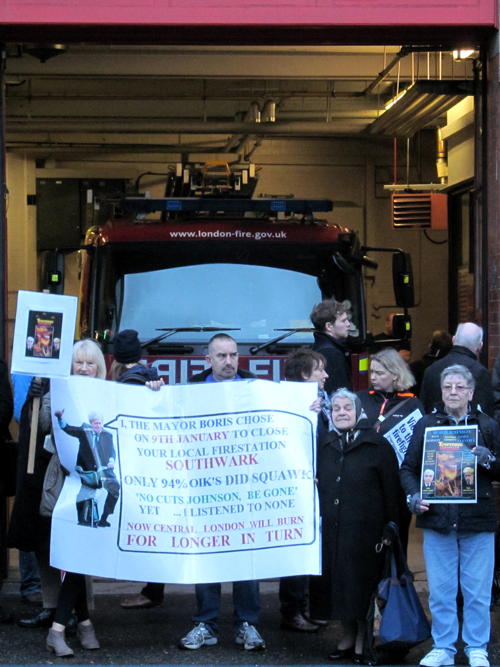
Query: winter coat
[(6, 404), (376, 403), (202, 377), (445, 517), (28, 531), (430, 393), (495, 381), (138, 374), (358, 489), (338, 362)]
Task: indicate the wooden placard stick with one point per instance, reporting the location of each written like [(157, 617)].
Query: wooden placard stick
[(35, 409)]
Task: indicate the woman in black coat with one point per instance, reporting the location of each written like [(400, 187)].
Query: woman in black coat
[(393, 410), (358, 492), (6, 405)]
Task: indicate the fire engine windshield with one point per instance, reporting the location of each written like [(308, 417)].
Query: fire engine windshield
[(256, 300)]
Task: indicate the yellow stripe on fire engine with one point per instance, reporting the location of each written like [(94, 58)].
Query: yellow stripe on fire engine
[(363, 364)]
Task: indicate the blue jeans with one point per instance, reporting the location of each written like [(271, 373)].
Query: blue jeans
[(28, 573), (246, 603), (467, 559)]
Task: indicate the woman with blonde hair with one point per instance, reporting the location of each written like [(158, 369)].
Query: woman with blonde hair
[(392, 410), (30, 523), (87, 360)]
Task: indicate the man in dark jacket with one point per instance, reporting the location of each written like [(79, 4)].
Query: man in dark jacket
[(331, 320), (222, 355), (467, 344), (459, 537), (495, 381)]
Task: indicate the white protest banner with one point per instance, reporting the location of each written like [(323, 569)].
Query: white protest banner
[(205, 482), (43, 334)]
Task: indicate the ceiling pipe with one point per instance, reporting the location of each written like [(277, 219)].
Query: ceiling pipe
[(269, 111), (254, 114), (441, 158), (304, 128)]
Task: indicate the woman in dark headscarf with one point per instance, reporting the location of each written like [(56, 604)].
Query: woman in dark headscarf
[(358, 493)]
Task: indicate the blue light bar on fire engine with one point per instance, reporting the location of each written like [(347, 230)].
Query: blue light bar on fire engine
[(232, 205)]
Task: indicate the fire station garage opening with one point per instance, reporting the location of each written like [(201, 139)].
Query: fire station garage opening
[(383, 133)]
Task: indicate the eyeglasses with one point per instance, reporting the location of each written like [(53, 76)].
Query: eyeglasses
[(460, 388)]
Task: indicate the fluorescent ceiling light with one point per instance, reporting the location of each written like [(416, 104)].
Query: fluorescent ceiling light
[(463, 54), (422, 105)]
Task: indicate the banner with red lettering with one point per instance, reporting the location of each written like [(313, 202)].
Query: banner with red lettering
[(194, 483)]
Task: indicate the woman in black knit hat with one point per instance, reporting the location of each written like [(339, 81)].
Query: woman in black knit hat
[(127, 365)]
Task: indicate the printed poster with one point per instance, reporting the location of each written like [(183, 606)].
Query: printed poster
[(449, 468), (44, 334), (191, 484)]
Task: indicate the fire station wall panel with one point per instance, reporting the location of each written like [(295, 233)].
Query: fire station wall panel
[(245, 12)]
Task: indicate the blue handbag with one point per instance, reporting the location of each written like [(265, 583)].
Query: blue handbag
[(402, 619)]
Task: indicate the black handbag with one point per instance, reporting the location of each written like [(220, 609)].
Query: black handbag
[(397, 620)]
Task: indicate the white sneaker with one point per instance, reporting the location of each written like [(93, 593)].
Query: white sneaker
[(478, 657), (438, 657), (201, 635), (248, 636)]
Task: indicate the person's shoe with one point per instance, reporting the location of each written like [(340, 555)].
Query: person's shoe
[(32, 598), (103, 523), (298, 623), (248, 637), (56, 643), (86, 635), (478, 657), (201, 635), (316, 621), (138, 601), (438, 657), (43, 619), (341, 653)]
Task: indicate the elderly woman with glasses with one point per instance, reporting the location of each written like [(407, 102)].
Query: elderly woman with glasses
[(458, 537), (357, 475)]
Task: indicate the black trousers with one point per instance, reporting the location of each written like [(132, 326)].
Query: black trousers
[(72, 595), (294, 593)]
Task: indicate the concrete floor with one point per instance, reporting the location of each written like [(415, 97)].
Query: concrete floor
[(150, 636)]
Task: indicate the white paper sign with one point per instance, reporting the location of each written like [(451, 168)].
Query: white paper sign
[(211, 482), (44, 334), (400, 435)]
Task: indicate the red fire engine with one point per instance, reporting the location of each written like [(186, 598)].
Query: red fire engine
[(221, 261)]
